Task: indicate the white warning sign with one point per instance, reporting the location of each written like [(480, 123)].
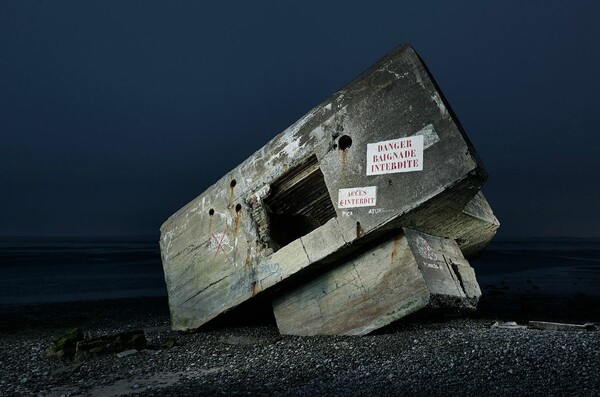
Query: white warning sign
[(396, 155), (357, 197)]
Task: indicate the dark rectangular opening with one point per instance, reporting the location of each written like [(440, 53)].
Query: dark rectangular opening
[(298, 203)]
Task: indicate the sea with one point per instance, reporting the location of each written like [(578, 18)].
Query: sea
[(52, 269), (46, 270)]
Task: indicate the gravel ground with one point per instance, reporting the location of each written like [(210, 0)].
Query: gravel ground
[(463, 357)]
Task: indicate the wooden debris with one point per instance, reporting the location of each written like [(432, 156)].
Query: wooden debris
[(114, 343), (65, 345), (508, 325), (247, 340), (548, 326)]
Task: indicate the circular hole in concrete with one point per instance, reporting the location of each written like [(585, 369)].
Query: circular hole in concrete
[(211, 212), (233, 183), (344, 142), (238, 208)]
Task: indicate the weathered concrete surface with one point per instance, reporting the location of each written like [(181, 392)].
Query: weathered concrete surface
[(284, 211), (473, 227), (398, 277), (449, 277), (365, 293)]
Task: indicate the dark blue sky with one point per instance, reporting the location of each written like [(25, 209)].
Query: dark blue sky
[(114, 114)]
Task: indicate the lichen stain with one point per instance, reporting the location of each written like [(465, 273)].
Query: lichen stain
[(250, 271), (395, 247), (248, 261), (344, 157), (236, 222)]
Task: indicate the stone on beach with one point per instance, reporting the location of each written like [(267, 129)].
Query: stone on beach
[(65, 345), (112, 343)]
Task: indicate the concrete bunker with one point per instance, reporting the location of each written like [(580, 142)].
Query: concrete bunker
[(385, 156)]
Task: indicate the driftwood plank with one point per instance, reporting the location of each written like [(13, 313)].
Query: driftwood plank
[(550, 326)]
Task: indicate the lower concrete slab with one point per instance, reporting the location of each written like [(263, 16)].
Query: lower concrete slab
[(374, 289), (390, 281)]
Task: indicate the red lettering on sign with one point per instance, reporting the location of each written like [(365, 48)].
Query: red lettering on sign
[(356, 201), (396, 165), (384, 147), (406, 154), (357, 193)]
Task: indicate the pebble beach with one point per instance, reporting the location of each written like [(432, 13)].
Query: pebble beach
[(426, 356), (48, 288)]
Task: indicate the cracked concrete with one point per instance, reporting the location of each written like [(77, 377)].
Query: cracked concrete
[(296, 178)]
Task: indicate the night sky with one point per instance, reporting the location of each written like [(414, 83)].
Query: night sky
[(115, 114)]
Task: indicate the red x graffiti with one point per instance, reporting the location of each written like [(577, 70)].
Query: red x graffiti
[(219, 243)]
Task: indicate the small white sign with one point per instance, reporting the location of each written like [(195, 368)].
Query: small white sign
[(396, 155), (357, 197)]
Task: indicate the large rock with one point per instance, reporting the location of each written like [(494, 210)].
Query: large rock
[(384, 152)]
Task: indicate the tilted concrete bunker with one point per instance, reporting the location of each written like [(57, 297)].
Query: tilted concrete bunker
[(372, 172)]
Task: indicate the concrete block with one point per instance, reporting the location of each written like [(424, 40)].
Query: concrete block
[(381, 285), (383, 153), (473, 227)]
